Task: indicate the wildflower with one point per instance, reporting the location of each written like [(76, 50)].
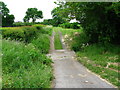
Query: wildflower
[(66, 36), (70, 39)]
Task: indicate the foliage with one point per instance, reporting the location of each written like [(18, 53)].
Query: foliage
[(70, 25), (19, 33), (57, 19), (42, 43), (42, 40), (48, 30), (75, 38), (57, 41), (99, 20), (79, 41), (48, 22), (32, 13), (25, 33), (102, 60), (18, 24), (24, 66), (6, 17)]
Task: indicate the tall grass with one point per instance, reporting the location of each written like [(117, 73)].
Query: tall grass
[(57, 41), (102, 59), (25, 65), (0, 61), (42, 43), (25, 33)]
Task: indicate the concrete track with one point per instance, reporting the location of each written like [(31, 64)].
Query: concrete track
[(69, 73)]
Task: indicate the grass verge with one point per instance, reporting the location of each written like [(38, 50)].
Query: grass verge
[(24, 66), (57, 41), (102, 59)]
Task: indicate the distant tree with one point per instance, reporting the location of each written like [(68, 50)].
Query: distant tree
[(26, 19), (57, 17), (7, 19), (32, 13), (48, 22)]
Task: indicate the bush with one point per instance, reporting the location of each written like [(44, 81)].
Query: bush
[(18, 24), (75, 25), (47, 30), (25, 33), (65, 25), (24, 66), (19, 33), (70, 25), (42, 43), (79, 41)]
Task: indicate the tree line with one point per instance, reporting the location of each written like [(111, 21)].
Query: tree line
[(99, 20)]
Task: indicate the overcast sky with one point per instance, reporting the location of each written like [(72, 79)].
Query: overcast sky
[(19, 7)]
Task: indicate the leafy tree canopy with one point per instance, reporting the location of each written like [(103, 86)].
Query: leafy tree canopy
[(99, 20), (7, 19), (32, 13)]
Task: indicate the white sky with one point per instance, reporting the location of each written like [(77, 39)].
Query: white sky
[(19, 7)]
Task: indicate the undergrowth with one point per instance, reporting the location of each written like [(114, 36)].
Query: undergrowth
[(102, 59), (25, 64)]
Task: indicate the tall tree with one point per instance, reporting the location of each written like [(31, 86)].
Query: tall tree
[(26, 19), (100, 20), (34, 14), (7, 19), (57, 17)]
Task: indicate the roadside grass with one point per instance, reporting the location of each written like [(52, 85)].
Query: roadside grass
[(102, 59), (42, 43), (0, 61), (57, 41), (70, 39), (24, 33), (70, 31), (25, 65)]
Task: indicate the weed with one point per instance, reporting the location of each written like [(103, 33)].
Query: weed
[(57, 41), (24, 66)]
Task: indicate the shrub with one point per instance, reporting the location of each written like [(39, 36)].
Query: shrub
[(26, 33), (42, 43), (19, 33), (70, 25), (38, 26), (75, 25), (24, 66), (18, 24), (47, 30), (79, 41), (65, 25)]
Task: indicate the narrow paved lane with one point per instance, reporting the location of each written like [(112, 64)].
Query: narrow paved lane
[(69, 73)]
